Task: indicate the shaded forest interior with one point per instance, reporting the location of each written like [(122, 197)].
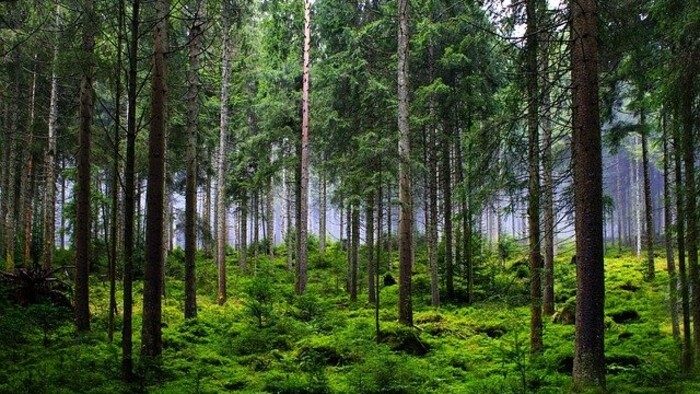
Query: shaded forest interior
[(349, 196)]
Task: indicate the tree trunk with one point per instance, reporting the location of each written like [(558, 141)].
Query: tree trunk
[(589, 358), (637, 205), (371, 263), (548, 201), (62, 229), (270, 216), (433, 214), (289, 238), (256, 223), (10, 192), (243, 257), (194, 48), (322, 215), (618, 202), (129, 192), (533, 208), (4, 174), (389, 227), (50, 187), (687, 350), (354, 249), (650, 274), (206, 218), (82, 224), (691, 203), (166, 210), (447, 216), (348, 249), (129, 195), (380, 214), (432, 223), (151, 337), (406, 211), (300, 284), (115, 177), (668, 236), (221, 158), (28, 175)]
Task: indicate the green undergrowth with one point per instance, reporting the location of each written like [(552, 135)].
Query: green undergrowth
[(266, 339)]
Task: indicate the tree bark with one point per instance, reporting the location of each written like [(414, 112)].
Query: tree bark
[(380, 214), (618, 202), (433, 218), (243, 257), (221, 158), (300, 284), (668, 236), (151, 337), (207, 242), (129, 198), (548, 201), (589, 358), (10, 192), (687, 350), (50, 187), (63, 205), (371, 263), (406, 211), (354, 249), (115, 177), (289, 230), (533, 208), (637, 205), (389, 230), (83, 212), (4, 175), (270, 216), (256, 223), (691, 202), (28, 175), (447, 216), (322, 215), (194, 48), (650, 274)]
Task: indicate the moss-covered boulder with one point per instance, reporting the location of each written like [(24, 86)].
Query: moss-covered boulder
[(567, 313), (404, 339)]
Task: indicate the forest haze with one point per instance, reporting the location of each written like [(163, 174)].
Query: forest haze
[(349, 196)]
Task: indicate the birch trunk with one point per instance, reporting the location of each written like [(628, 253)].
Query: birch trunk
[(221, 159), (301, 273), (650, 274), (406, 208)]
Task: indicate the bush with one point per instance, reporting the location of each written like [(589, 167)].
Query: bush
[(259, 299), (297, 383), (255, 340), (318, 352), (387, 373), (308, 306), (420, 285)]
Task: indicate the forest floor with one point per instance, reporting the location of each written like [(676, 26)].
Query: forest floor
[(266, 339)]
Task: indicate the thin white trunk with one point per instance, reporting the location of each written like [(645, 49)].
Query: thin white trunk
[(220, 165), (304, 187)]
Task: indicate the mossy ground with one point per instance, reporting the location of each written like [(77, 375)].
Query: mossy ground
[(267, 339)]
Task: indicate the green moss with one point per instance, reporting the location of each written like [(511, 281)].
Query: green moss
[(319, 342)]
